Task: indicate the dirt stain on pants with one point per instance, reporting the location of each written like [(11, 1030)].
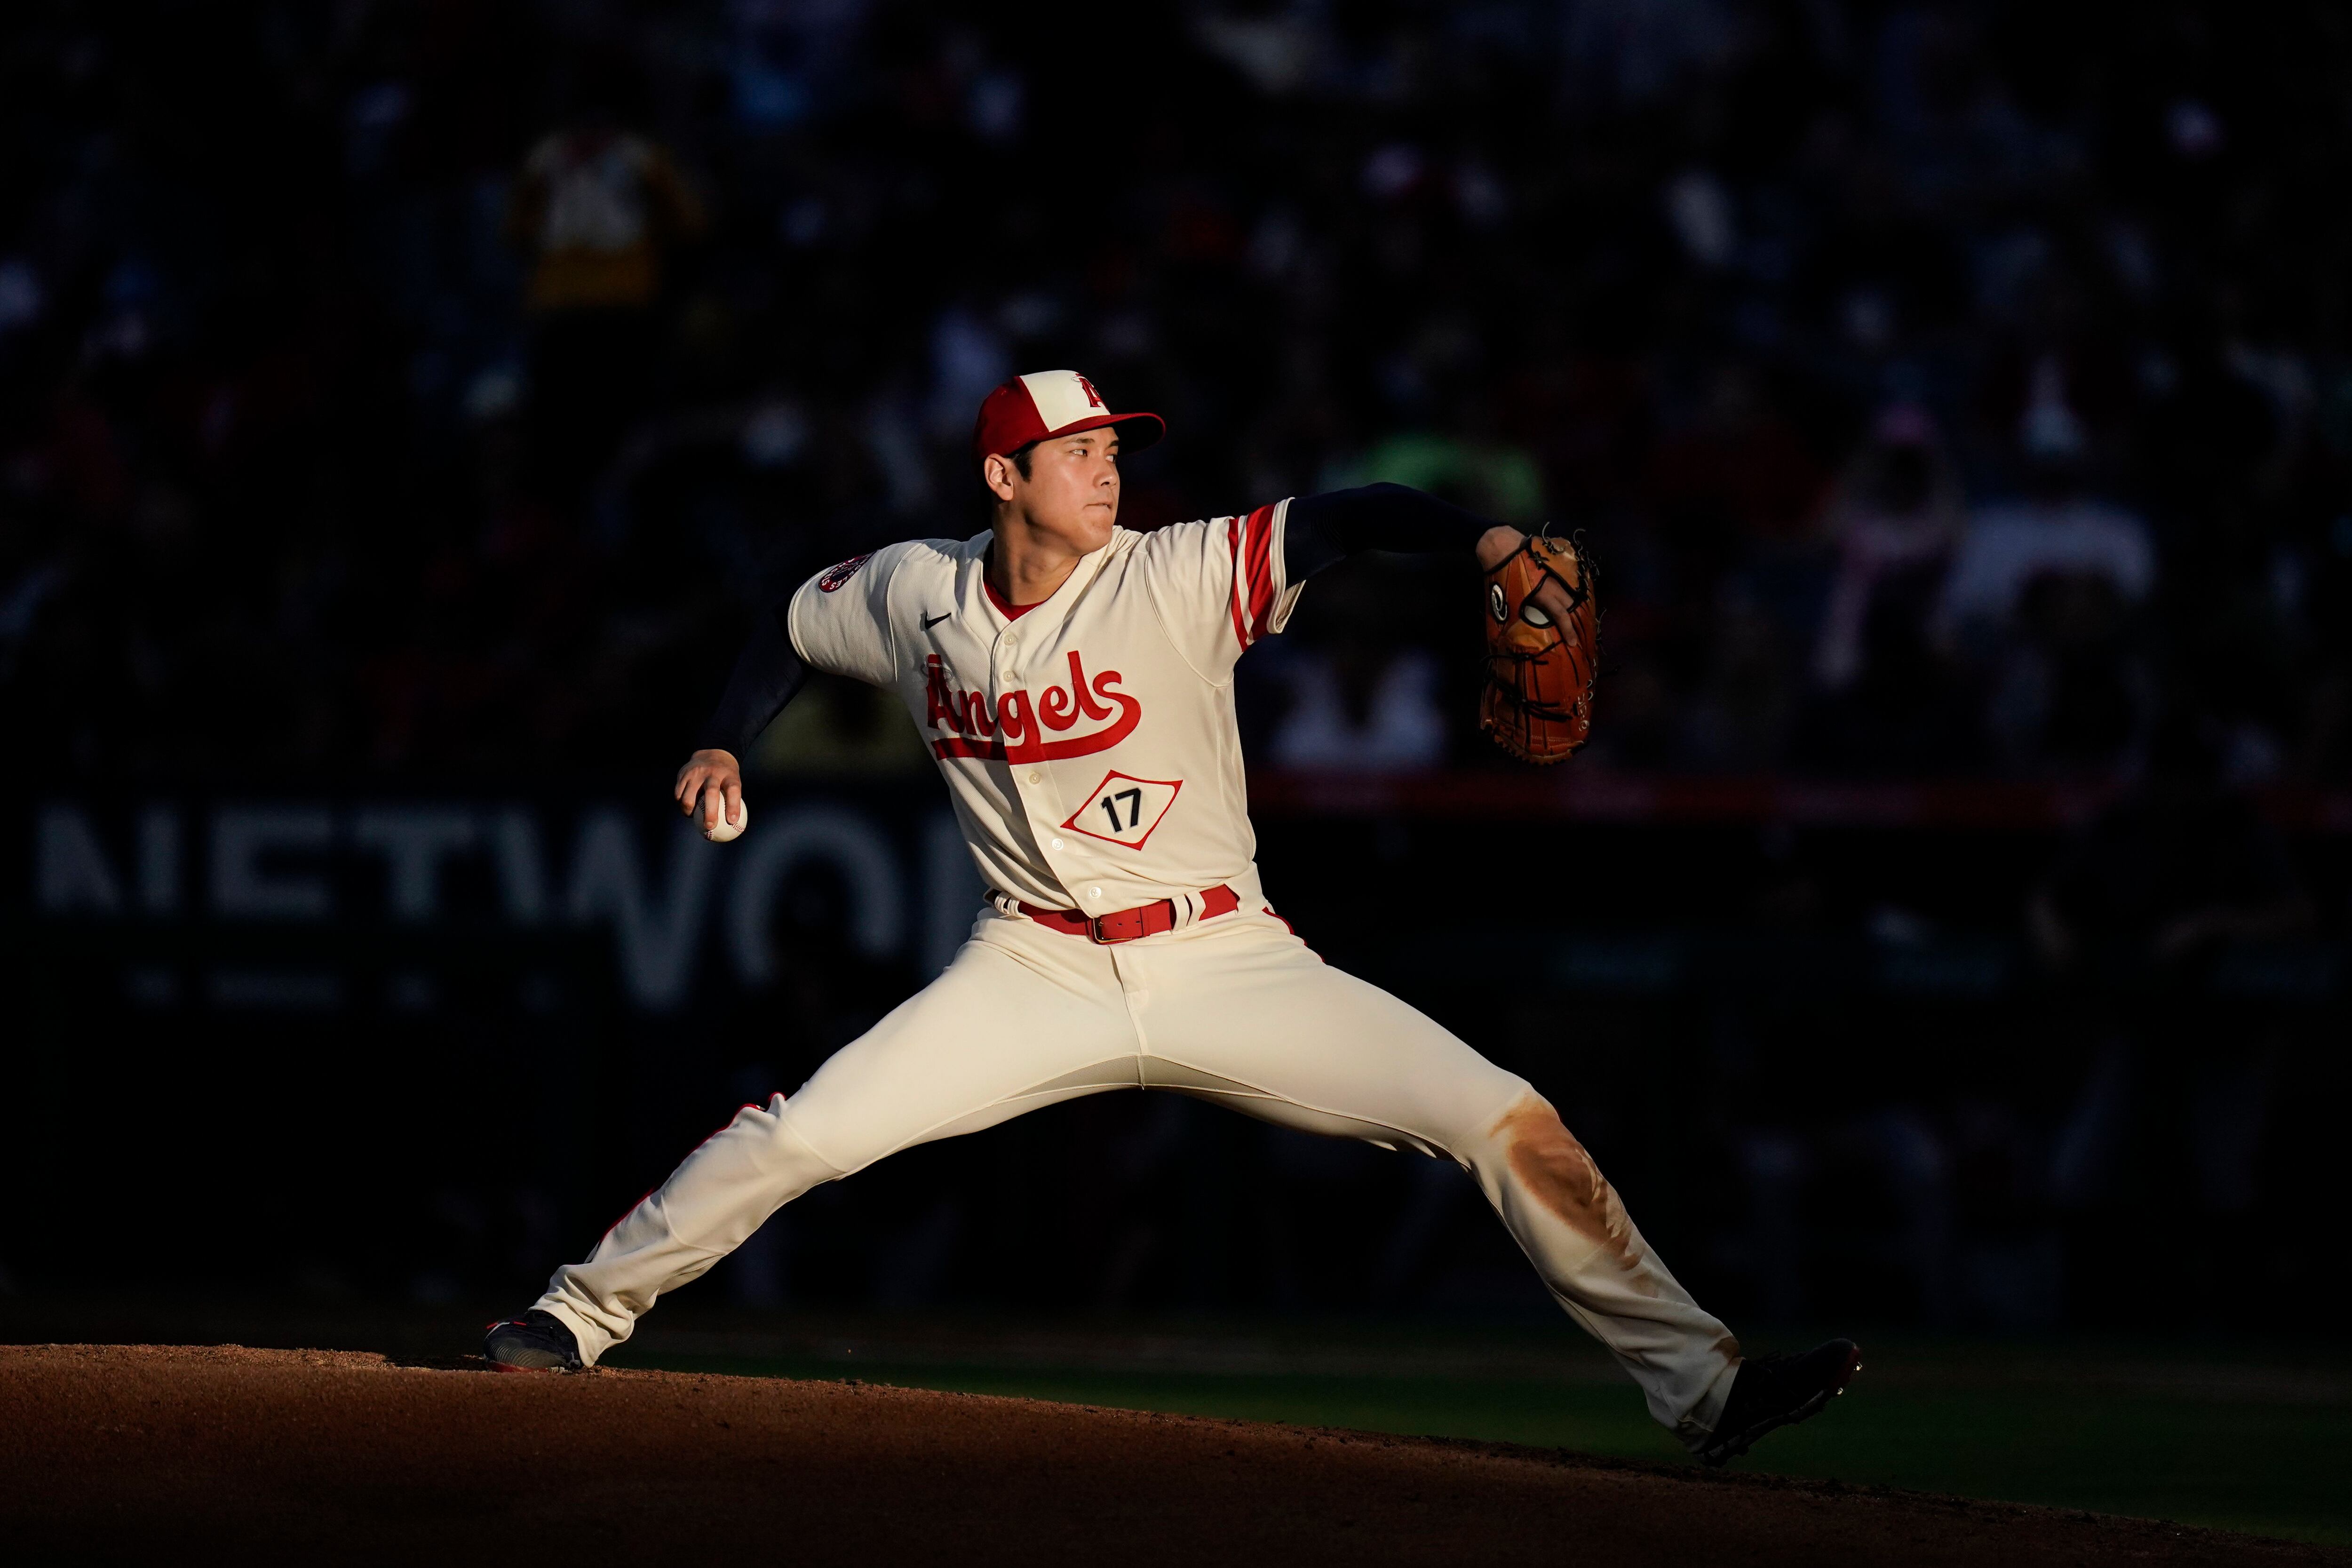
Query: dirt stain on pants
[(1551, 1164)]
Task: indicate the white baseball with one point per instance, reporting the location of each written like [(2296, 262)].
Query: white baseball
[(725, 831)]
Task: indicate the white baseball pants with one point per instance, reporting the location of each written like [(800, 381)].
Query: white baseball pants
[(1234, 1009)]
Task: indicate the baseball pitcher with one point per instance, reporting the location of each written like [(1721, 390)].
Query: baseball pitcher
[(1075, 683)]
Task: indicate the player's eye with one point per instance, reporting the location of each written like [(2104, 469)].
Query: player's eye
[(1534, 615)]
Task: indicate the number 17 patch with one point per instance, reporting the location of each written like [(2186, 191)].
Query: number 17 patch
[(1123, 810)]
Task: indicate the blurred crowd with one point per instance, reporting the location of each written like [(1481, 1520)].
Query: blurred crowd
[(1941, 389)]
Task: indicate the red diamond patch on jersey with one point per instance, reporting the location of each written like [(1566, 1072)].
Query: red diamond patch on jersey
[(1123, 811), (834, 577)]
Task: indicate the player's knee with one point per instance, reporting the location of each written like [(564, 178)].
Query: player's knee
[(1546, 1161), (768, 1134), (1499, 1103), (756, 1121), (815, 1145), (1476, 1134), (1528, 1132)]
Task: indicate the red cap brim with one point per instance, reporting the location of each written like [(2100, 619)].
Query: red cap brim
[(1136, 431)]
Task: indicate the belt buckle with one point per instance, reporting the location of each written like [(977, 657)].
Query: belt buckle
[(1133, 924)]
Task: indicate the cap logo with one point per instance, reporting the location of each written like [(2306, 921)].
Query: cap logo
[(1094, 398)]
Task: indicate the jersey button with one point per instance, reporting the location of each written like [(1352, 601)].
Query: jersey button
[(1035, 776), (1057, 844), (1093, 892)]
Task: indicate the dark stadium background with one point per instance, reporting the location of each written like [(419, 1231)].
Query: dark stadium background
[(365, 569)]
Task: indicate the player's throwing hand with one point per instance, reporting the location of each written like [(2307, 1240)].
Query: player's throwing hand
[(710, 789)]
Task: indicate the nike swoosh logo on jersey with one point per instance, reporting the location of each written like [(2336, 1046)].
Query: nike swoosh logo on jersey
[(935, 620)]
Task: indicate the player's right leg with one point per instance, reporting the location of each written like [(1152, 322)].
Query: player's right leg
[(1022, 1017), (1240, 1013)]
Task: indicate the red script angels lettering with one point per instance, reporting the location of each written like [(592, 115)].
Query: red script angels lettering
[(1014, 731)]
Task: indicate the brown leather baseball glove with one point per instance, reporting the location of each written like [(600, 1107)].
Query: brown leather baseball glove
[(1537, 703)]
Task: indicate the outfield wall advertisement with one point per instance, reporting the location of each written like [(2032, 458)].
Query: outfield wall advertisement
[(679, 912)]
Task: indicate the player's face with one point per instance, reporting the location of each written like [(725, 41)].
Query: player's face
[(1072, 489)]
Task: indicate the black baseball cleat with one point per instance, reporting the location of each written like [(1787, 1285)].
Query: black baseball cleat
[(1775, 1391), (538, 1342)]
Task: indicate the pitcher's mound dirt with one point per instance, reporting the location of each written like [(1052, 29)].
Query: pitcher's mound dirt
[(153, 1453)]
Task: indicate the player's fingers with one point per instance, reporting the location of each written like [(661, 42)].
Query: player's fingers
[(1495, 546), (733, 790), (688, 789), (1552, 599), (712, 803)]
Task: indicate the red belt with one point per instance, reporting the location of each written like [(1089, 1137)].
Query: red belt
[(1127, 925)]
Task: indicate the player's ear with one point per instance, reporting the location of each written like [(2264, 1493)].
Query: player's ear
[(996, 473)]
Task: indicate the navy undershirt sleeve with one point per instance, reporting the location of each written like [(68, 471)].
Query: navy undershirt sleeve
[(1319, 531), (767, 676)]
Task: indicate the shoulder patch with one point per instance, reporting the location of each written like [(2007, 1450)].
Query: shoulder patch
[(834, 577)]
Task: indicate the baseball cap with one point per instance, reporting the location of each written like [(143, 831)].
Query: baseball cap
[(1053, 403)]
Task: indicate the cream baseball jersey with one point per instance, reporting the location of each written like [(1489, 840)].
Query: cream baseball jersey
[(1089, 744)]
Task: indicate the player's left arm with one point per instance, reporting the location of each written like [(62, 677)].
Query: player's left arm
[(1320, 531), (1541, 625), (1221, 585)]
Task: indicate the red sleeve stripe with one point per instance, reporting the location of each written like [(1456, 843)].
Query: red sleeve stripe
[(1252, 546), (1234, 599)]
